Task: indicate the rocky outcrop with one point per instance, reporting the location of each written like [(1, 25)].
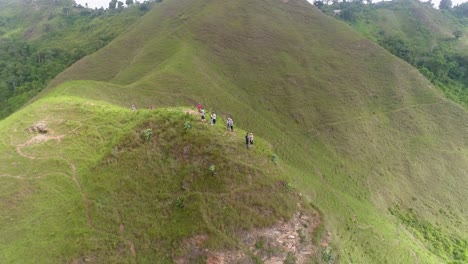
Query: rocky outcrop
[(40, 127)]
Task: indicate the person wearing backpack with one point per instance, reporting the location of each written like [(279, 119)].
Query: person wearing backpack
[(203, 115), (214, 118)]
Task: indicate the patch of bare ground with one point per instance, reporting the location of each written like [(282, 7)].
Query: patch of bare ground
[(85, 260), (191, 111), (286, 240)]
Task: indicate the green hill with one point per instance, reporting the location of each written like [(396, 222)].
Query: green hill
[(361, 134), (432, 40), (39, 39)]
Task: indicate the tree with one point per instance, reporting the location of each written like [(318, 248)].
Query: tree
[(318, 4), (129, 2), (461, 10), (445, 4), (120, 4), (458, 34), (112, 4), (144, 7), (66, 11)]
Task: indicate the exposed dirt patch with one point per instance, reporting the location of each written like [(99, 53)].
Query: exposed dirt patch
[(43, 138), (85, 260), (191, 112), (326, 240), (292, 239)]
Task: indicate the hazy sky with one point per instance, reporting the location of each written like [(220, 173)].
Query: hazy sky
[(105, 3)]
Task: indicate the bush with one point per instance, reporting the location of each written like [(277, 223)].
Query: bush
[(187, 125), (179, 202), (148, 134), (327, 255), (213, 169), (274, 158)]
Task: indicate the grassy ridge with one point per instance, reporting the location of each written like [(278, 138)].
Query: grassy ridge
[(120, 189), (358, 130)]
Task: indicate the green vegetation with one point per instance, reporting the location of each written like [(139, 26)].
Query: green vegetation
[(357, 130), (451, 248), (427, 38), (122, 189), (40, 39), (327, 256)]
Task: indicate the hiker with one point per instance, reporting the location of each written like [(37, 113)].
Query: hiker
[(151, 107), (231, 124), (203, 115), (199, 107), (211, 119), (228, 123), (251, 138), (133, 107), (214, 118), (247, 140)]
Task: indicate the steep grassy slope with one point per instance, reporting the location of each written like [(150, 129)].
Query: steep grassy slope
[(97, 187), (419, 34), (362, 134)]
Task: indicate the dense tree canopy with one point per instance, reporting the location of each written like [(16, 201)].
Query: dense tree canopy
[(69, 33), (445, 4)]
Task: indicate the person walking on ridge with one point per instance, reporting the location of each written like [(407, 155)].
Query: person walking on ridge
[(251, 138), (133, 107), (199, 107), (231, 124), (203, 115), (247, 140)]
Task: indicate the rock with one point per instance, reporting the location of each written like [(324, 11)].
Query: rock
[(291, 237), (39, 128)]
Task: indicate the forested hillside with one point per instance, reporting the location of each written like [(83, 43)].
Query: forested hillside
[(433, 40), (39, 39)]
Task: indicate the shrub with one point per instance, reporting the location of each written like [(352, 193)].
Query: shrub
[(274, 158), (148, 134), (179, 202), (187, 125), (327, 255), (213, 169)]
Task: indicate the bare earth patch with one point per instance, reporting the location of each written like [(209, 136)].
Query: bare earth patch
[(273, 245)]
